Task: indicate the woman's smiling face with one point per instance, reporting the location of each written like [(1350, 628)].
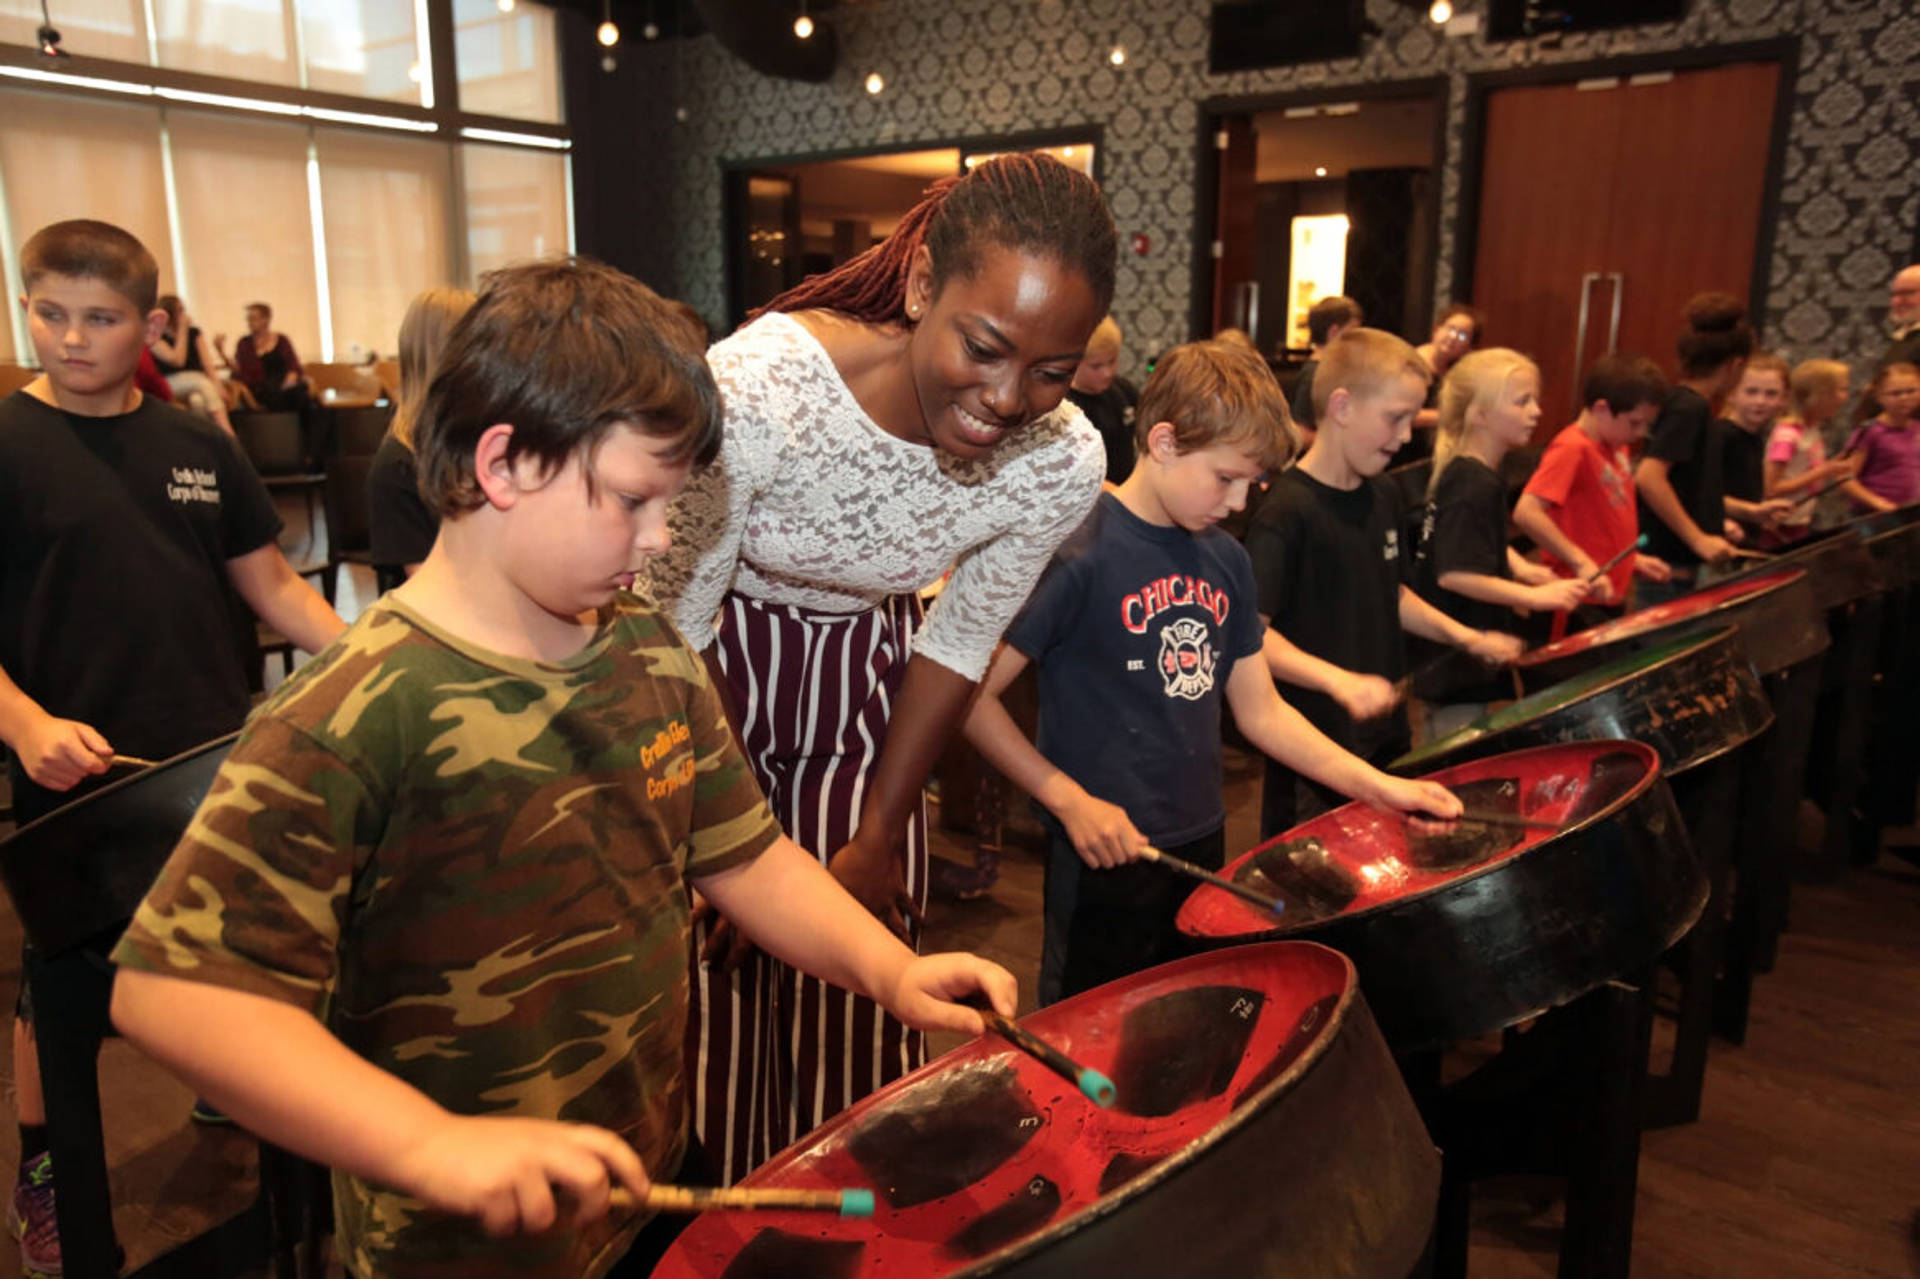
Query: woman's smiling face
[(995, 349)]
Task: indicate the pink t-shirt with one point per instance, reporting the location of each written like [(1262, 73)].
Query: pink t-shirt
[(1796, 450)]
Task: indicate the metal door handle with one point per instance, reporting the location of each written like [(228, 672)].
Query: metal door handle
[(1247, 306), (1613, 328), (1580, 331)]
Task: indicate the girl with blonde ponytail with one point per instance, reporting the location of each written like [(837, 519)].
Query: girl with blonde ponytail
[(1489, 403)]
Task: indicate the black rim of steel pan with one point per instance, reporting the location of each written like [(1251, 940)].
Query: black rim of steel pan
[(1708, 702), (98, 855), (1504, 941), (1780, 625)]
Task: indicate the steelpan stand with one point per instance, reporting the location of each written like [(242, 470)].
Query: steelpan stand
[(1562, 1098)]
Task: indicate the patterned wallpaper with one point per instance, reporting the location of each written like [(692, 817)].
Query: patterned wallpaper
[(1849, 207)]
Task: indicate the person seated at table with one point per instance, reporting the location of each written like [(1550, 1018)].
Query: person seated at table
[(430, 925), (126, 523), (265, 362), (181, 355), (1143, 625), (402, 526), (1327, 319)]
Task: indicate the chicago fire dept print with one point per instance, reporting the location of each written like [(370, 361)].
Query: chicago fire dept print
[(1187, 659)]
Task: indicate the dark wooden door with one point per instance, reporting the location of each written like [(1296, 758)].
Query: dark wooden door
[(1236, 283), (1617, 196)]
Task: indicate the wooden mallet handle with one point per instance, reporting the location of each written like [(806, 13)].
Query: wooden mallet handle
[(853, 1202), (1097, 1087), (1205, 876)]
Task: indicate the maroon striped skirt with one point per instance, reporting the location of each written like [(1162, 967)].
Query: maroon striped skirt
[(771, 1052)]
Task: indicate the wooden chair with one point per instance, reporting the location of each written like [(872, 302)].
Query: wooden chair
[(349, 521), (357, 431), (387, 374), (343, 384), (15, 376)]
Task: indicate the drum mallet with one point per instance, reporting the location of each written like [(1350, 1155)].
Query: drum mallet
[(1205, 876), (854, 1202), (1639, 544), (1097, 1087)]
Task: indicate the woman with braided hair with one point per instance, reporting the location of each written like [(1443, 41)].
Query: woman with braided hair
[(885, 421)]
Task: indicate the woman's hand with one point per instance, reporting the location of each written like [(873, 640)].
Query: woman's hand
[(504, 1171), (878, 881)]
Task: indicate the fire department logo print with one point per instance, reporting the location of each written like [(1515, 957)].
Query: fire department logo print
[(1186, 659)]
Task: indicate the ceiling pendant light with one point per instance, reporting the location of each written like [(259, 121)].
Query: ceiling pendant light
[(608, 34), (803, 25)]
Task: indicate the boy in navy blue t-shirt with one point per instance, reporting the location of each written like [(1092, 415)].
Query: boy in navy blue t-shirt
[(1146, 615)]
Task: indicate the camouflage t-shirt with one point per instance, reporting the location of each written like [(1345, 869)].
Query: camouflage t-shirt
[(473, 868)]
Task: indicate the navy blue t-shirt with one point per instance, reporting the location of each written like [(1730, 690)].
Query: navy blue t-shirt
[(1136, 628)]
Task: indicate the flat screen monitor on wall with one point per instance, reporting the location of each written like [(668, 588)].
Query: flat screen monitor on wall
[(1250, 34), (1523, 19)]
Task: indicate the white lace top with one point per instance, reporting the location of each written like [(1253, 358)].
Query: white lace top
[(812, 504)]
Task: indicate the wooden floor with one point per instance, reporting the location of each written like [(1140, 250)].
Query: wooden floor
[(1805, 1162)]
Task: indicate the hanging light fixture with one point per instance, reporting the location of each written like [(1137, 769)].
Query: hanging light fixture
[(1440, 12), (875, 83), (608, 34), (803, 25)]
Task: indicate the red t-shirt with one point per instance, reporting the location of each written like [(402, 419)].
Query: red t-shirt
[(1589, 490)]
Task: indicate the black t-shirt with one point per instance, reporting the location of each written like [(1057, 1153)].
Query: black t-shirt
[(115, 606), (1302, 405), (1688, 438), (1465, 531), (1328, 567), (1111, 413), (400, 526), (1745, 461), (1136, 628)]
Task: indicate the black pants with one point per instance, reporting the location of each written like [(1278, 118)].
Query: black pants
[(1106, 924)]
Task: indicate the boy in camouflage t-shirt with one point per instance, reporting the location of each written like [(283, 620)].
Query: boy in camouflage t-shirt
[(430, 925)]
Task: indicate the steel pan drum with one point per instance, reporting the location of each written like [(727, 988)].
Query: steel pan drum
[(84, 868), (1691, 699), (1778, 615), (1260, 1128), (1471, 930), (1839, 566)]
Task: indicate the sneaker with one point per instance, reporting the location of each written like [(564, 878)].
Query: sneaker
[(30, 1216), (205, 1112)]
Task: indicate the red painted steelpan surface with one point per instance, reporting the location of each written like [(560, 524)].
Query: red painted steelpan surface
[(1686, 608), (1375, 852), (985, 1158)]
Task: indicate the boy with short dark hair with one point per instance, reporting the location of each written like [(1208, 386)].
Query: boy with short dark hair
[(1327, 319), (126, 525), (1579, 506), (463, 835), (1142, 625), (1332, 573)]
